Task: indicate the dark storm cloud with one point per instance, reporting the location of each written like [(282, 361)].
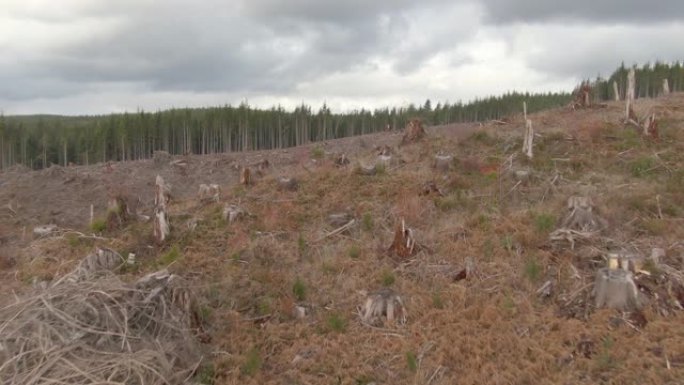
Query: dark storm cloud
[(601, 11), (263, 45)]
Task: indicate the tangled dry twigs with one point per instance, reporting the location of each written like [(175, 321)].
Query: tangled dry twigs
[(101, 331)]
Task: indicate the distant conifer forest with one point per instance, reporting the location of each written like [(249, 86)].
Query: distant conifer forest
[(38, 141)]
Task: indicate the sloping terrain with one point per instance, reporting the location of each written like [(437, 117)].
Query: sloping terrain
[(280, 290)]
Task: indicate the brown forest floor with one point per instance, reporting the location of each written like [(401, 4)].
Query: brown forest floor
[(491, 328)]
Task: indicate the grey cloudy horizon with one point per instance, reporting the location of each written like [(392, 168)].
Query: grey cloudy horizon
[(95, 57)]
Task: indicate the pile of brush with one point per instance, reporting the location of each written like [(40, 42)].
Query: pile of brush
[(101, 331)]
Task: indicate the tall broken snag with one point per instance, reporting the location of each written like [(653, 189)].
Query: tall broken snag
[(528, 139), (383, 306), (162, 195), (161, 225), (413, 132), (404, 245)]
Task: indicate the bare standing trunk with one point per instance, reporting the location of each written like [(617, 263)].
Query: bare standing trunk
[(528, 139), (525, 111), (629, 96), (616, 91), (666, 87)]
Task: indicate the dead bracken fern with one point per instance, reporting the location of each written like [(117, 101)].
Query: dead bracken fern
[(101, 331)]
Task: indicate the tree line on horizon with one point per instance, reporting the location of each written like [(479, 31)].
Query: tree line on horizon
[(38, 141)]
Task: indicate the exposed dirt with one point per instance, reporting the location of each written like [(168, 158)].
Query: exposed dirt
[(491, 325)]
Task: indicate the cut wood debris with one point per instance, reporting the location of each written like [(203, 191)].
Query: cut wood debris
[(101, 330)]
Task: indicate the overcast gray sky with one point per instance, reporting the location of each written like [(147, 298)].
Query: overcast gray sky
[(96, 56)]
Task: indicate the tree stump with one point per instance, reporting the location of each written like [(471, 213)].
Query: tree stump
[(413, 132), (232, 213), (443, 163), (651, 127), (117, 213), (615, 289), (385, 161), (366, 170), (666, 87), (208, 193), (342, 160), (404, 245), (616, 92), (245, 176), (287, 184), (161, 158), (383, 306), (581, 216)]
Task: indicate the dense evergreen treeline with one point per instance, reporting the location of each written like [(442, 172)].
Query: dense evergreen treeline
[(649, 80), (38, 141)]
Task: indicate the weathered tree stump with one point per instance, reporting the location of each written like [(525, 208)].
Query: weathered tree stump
[(209, 193), (615, 289), (263, 165), (245, 176), (161, 225), (342, 160), (161, 158), (232, 213), (404, 245), (666, 87), (366, 170), (288, 184), (651, 127), (383, 306), (384, 150), (413, 132), (581, 215), (385, 161), (117, 213), (616, 91), (442, 163)]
